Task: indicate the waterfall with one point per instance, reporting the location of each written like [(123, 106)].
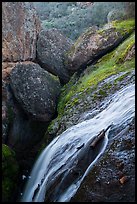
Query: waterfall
[(63, 164)]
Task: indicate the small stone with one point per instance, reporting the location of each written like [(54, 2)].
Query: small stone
[(123, 179), (23, 177)]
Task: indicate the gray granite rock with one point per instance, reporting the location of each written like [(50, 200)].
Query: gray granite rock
[(36, 90)]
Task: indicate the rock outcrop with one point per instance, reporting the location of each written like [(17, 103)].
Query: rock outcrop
[(107, 181), (20, 27), (35, 90), (87, 91), (51, 49), (112, 181), (93, 44)]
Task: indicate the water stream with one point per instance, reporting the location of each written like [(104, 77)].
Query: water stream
[(63, 164)]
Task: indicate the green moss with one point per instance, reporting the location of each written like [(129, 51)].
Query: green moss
[(108, 66), (120, 56), (9, 173), (121, 77), (125, 26), (111, 64), (102, 92), (7, 152), (54, 77)]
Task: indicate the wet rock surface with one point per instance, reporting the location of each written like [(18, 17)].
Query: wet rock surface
[(113, 178), (82, 110), (51, 49), (36, 90), (20, 27)]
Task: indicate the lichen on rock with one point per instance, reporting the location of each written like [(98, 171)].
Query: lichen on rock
[(51, 49), (36, 90), (85, 92), (93, 44), (20, 27)]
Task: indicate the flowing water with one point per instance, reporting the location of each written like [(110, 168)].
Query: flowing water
[(63, 164)]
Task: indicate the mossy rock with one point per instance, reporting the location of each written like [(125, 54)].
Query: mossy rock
[(10, 171), (111, 64), (93, 44), (93, 83)]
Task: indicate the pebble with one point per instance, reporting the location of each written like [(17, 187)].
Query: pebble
[(23, 177)]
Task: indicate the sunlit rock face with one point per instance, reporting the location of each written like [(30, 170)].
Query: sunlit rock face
[(36, 90), (20, 26)]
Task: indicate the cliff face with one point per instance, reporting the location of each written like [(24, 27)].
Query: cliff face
[(20, 26)]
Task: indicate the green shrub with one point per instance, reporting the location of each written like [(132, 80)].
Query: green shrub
[(72, 19)]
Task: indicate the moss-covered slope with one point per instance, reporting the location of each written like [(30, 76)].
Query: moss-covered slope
[(84, 92)]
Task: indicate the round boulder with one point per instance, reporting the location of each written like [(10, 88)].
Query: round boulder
[(51, 53), (36, 90)]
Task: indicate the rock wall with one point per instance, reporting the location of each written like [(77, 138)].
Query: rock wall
[(20, 27)]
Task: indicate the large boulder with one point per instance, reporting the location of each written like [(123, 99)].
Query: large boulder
[(20, 27), (36, 90), (51, 49), (95, 43)]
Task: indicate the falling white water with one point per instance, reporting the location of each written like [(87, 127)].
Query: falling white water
[(62, 151)]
